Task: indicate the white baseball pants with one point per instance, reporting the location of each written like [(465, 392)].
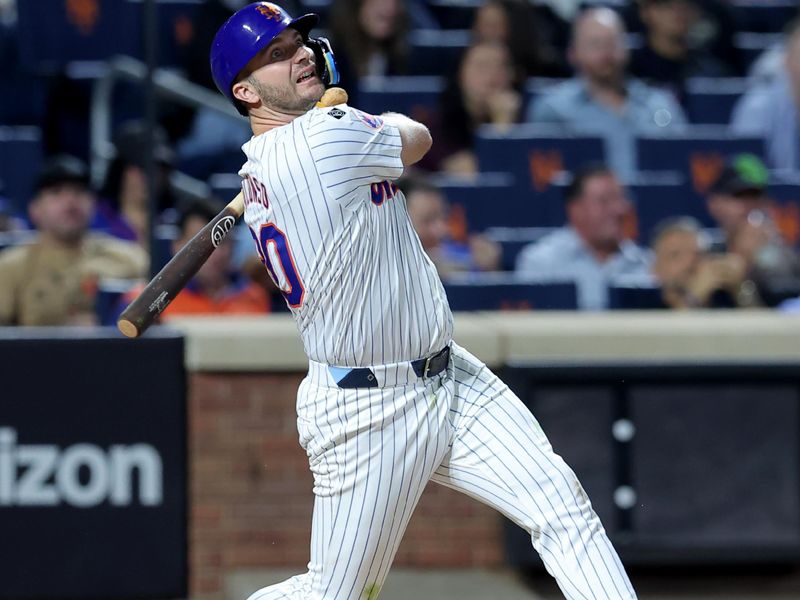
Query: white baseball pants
[(373, 450)]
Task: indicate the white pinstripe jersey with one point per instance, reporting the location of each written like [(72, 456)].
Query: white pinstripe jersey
[(333, 231)]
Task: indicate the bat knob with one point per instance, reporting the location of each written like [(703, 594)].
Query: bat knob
[(127, 328), (332, 97)]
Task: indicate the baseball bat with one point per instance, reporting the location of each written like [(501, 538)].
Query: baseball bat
[(168, 283)]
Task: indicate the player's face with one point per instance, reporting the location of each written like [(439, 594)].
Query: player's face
[(599, 213), (285, 76), (63, 211)]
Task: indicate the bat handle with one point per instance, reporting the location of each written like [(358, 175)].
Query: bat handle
[(165, 286)]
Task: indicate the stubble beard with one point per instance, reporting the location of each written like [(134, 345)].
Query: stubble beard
[(282, 99)]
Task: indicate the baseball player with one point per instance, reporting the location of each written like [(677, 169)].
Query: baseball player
[(390, 402)]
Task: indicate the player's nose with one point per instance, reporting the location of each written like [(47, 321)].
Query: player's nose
[(303, 55)]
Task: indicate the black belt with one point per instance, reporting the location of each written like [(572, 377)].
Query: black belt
[(363, 377)]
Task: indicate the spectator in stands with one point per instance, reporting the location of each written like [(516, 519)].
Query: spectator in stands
[(689, 276), (601, 99), (481, 93), (54, 280), (738, 203), (770, 110), (515, 24), (369, 37), (591, 249), (217, 288), (428, 210), (713, 29), (739, 190), (668, 57), (124, 208)]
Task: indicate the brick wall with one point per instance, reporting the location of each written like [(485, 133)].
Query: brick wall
[(251, 493)]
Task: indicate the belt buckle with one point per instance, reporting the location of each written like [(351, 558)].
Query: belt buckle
[(427, 367)]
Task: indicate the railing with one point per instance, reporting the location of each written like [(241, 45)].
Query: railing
[(168, 86)]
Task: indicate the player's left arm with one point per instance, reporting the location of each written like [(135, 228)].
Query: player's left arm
[(415, 137)]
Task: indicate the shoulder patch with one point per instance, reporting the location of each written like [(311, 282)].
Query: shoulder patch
[(369, 120), (336, 113)]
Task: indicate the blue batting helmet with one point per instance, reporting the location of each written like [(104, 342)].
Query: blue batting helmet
[(244, 35)]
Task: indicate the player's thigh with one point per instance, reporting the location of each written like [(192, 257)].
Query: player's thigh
[(379, 450), (500, 454)]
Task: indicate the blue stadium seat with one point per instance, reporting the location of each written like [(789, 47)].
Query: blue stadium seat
[(784, 187), (454, 14), (435, 51), (699, 153), (53, 32), (752, 45), (710, 100), (502, 291), (175, 28), (417, 97), (20, 160), (490, 200), (535, 154), (764, 15), (23, 97), (663, 198), (634, 297)]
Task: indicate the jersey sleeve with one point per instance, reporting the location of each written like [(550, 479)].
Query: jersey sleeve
[(352, 149)]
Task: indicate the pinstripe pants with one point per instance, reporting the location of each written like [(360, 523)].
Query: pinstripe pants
[(372, 451)]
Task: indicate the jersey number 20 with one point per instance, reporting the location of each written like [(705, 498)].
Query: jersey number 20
[(273, 247)]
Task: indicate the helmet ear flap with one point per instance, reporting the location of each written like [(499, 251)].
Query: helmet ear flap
[(324, 59)]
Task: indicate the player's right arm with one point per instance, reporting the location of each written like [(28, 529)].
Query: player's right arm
[(415, 137)]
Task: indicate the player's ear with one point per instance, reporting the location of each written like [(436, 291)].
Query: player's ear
[(245, 92)]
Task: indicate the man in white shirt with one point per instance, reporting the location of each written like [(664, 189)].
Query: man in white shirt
[(591, 249)]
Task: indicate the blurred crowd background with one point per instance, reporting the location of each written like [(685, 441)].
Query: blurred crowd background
[(587, 155)]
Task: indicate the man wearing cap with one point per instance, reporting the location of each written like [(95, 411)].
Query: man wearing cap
[(738, 191), (738, 203), (53, 281)]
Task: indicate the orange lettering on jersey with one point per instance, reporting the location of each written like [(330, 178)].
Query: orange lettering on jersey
[(254, 192), (84, 14), (544, 166), (705, 169)]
